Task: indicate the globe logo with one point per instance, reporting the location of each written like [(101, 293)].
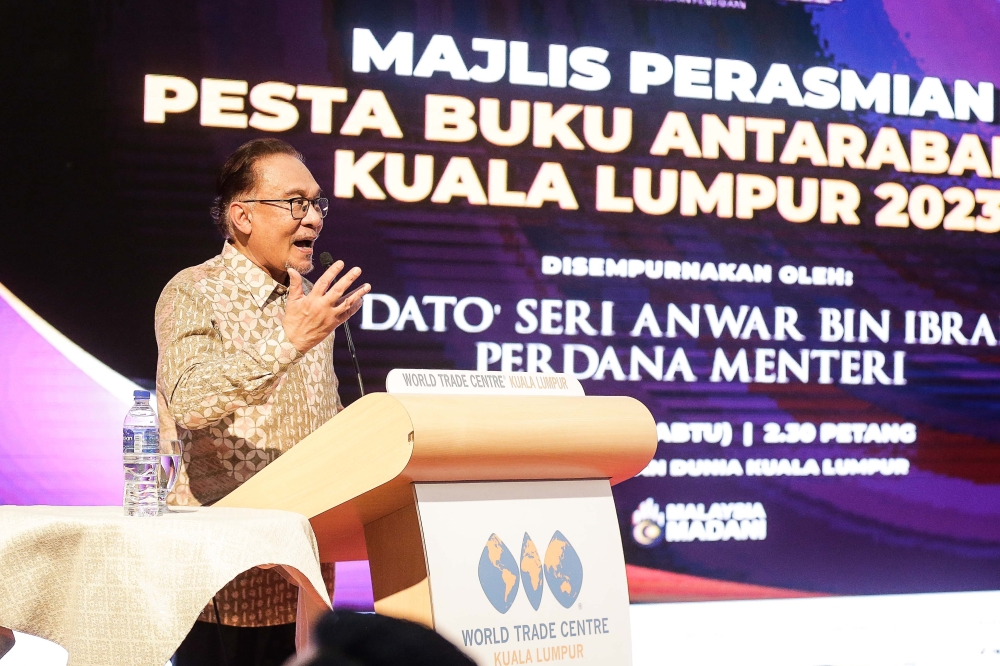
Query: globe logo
[(500, 576), (532, 576), (563, 570)]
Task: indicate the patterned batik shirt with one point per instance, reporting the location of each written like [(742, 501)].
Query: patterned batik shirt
[(237, 394)]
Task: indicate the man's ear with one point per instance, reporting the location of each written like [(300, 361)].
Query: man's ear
[(239, 217)]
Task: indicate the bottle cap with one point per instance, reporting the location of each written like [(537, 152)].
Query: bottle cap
[(142, 395)]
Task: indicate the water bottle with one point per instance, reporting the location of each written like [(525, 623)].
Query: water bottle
[(140, 449)]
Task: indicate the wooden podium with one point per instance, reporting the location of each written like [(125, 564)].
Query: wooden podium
[(371, 479)]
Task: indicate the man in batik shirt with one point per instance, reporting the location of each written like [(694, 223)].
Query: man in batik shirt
[(245, 372)]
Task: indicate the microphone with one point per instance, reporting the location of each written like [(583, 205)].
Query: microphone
[(327, 260)]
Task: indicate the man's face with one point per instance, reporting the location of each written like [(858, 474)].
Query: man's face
[(277, 240)]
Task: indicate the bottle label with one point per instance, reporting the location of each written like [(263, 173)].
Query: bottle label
[(140, 440), (152, 441)]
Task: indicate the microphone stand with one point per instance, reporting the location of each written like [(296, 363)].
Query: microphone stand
[(327, 260), (354, 356)]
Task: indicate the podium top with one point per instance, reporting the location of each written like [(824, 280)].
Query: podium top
[(471, 382), (358, 466)]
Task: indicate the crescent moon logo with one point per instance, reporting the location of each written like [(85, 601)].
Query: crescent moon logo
[(647, 533)]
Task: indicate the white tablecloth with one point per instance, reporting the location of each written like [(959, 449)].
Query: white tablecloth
[(114, 590)]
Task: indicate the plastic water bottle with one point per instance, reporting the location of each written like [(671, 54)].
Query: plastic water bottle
[(140, 449)]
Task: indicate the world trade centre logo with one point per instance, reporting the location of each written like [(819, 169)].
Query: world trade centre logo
[(501, 576)]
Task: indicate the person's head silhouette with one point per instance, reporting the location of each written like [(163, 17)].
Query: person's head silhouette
[(354, 639)]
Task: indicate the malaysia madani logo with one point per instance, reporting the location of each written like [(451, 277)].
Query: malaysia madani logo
[(647, 523), (501, 576)]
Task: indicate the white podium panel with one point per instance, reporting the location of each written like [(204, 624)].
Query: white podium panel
[(527, 572)]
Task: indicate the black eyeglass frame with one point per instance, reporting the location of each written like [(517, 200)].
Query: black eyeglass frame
[(321, 204)]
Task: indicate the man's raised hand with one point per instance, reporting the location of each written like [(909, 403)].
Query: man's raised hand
[(310, 318)]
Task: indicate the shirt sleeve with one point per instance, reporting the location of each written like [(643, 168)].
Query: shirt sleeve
[(201, 381)]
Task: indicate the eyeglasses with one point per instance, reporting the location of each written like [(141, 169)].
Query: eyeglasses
[(297, 206)]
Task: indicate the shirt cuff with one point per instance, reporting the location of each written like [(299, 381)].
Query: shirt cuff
[(276, 352)]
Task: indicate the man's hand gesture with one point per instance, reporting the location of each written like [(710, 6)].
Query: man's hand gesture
[(310, 318)]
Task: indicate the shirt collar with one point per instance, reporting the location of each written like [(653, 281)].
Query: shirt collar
[(257, 281)]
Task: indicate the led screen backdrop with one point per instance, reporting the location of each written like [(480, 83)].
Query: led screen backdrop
[(774, 223)]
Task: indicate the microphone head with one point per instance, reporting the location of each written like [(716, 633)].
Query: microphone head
[(326, 259)]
